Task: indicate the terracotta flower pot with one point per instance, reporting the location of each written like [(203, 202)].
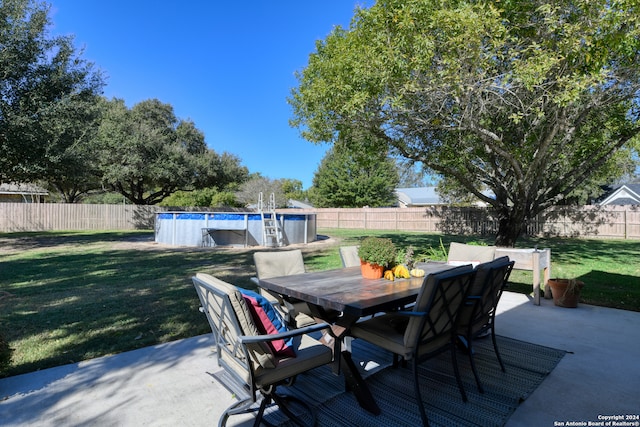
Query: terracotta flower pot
[(564, 292), (371, 271)]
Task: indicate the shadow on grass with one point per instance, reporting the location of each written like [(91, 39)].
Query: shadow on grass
[(74, 298), (66, 307), (610, 289)]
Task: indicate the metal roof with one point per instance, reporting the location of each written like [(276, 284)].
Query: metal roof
[(28, 189), (419, 196)]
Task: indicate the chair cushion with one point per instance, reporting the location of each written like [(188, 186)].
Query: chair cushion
[(284, 263), (310, 353), (386, 331), (424, 303), (278, 263), (268, 321), (476, 290), (460, 252), (260, 353), (349, 256)]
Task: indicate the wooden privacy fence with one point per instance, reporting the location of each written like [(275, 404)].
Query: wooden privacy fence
[(64, 216), (621, 222)]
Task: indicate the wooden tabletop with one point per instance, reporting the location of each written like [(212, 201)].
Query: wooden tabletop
[(345, 289)]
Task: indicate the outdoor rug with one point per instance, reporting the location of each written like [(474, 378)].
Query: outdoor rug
[(526, 367)]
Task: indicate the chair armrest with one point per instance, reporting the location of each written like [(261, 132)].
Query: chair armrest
[(246, 339), (410, 313), (255, 280)]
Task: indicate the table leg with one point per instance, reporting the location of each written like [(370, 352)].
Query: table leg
[(344, 363), (355, 383)]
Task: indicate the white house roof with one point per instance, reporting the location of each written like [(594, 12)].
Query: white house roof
[(419, 196), (625, 194), (27, 189), (298, 204)]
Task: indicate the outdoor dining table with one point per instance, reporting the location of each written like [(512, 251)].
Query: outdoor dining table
[(341, 297)]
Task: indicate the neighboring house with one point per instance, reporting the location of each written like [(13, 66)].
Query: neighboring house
[(625, 194), (426, 196), (297, 204), (417, 197), (22, 193)]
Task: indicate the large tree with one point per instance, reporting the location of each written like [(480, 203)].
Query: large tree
[(146, 153), (42, 82), (71, 163), (531, 100), (348, 178)]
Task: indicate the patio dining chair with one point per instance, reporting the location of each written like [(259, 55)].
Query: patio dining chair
[(426, 331), (283, 263), (478, 315), (256, 358), (349, 256)]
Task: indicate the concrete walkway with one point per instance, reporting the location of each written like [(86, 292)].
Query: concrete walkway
[(171, 384)]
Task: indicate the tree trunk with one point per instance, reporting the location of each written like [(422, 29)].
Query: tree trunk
[(511, 223)]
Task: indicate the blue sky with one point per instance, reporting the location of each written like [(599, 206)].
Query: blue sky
[(227, 65)]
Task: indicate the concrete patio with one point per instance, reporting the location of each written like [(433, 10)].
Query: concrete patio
[(171, 384)]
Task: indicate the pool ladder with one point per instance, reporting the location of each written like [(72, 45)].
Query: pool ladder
[(271, 228)]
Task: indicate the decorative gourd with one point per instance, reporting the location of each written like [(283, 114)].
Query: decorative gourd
[(417, 272), (401, 271)]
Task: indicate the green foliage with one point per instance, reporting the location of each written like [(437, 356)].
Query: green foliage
[(378, 250), (147, 153), (536, 102), (437, 253), (47, 95), (207, 197), (225, 198), (105, 197), (72, 171), (292, 189), (347, 179), (411, 175)]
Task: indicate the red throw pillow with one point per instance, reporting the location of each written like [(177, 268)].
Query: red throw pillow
[(269, 321)]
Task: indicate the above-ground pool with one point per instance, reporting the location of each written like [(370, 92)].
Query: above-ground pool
[(229, 229)]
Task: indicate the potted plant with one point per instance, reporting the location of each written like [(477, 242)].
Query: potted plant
[(565, 292), (376, 254)]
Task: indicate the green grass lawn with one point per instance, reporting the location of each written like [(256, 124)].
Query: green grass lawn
[(66, 297)]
